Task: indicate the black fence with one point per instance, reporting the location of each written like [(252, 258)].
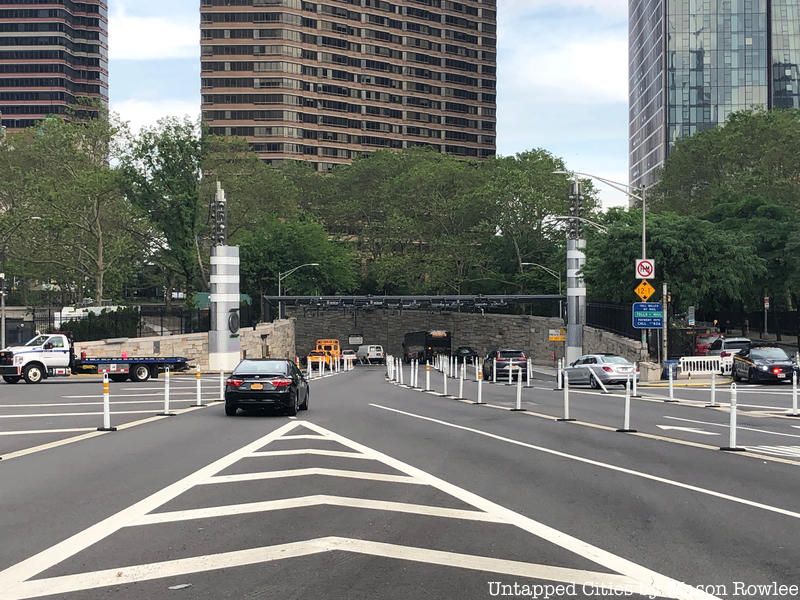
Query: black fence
[(751, 324), (141, 321)]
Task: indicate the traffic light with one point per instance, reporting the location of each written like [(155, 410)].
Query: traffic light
[(220, 217)]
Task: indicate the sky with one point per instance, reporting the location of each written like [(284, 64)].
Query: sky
[(562, 76)]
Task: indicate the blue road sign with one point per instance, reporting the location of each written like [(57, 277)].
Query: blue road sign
[(648, 315)]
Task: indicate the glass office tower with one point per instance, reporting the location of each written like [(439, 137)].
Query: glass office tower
[(52, 55), (694, 62)]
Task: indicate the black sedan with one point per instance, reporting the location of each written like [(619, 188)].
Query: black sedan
[(266, 384), (463, 353), (762, 364)]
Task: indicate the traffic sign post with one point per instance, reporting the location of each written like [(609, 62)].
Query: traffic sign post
[(648, 315)]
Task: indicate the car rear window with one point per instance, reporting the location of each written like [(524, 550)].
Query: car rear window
[(737, 345), (262, 367), (511, 354), (617, 360)]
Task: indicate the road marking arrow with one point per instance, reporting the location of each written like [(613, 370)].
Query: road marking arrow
[(687, 429)]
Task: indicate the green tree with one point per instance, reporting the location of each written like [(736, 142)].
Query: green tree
[(703, 265)]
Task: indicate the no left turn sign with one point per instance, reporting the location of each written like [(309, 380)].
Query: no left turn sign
[(645, 269)]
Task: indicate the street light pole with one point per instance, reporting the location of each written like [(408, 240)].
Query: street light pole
[(281, 277), (550, 271)]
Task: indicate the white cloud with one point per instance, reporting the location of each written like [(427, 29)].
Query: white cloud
[(140, 113), (153, 38)]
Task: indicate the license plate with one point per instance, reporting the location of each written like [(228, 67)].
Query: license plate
[(781, 375), (257, 386)]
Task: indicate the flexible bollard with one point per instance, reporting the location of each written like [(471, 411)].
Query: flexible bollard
[(480, 388), (713, 403), (321, 367), (494, 370), (166, 412), (400, 369), (222, 385), (794, 412), (671, 386), (510, 371), (445, 383), (199, 389), (476, 369), (428, 377), (106, 406), (626, 421), (635, 393), (566, 400), (518, 406), (528, 369), (461, 384), (560, 375), (731, 447)]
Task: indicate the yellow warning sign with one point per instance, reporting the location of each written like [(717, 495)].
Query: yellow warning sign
[(644, 290)]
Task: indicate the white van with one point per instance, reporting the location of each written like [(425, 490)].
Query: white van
[(371, 354)]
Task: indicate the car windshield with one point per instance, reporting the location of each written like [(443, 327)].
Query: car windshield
[(38, 340), (261, 367), (617, 360), (769, 354)]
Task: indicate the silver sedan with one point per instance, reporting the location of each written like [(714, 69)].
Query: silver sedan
[(608, 368)]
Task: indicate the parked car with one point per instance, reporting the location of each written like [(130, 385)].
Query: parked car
[(371, 354), (608, 368), (266, 383), (703, 343), (725, 347), (507, 358), (763, 364), (349, 355), (463, 353)]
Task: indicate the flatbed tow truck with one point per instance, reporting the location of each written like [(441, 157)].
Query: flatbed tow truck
[(53, 355)]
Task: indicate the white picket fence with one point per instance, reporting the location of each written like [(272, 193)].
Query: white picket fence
[(705, 365)]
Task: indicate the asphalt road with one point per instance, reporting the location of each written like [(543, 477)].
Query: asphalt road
[(384, 492)]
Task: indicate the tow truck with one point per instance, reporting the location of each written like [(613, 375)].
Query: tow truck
[(53, 355)]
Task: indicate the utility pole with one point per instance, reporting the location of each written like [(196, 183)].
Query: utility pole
[(576, 288), (644, 257)]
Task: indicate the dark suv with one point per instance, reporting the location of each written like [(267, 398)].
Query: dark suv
[(465, 353), (507, 358)]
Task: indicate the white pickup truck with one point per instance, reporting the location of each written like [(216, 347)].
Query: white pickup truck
[(53, 355)]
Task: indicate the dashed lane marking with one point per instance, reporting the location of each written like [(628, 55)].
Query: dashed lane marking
[(38, 431)]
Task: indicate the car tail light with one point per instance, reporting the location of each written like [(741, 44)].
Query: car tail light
[(281, 383), (234, 383), (608, 369), (777, 370), (724, 354)]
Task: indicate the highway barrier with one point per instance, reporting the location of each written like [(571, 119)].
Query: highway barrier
[(700, 365), (566, 416), (732, 447), (106, 406), (626, 420)]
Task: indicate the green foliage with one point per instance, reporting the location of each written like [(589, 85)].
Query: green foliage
[(108, 324), (704, 265)]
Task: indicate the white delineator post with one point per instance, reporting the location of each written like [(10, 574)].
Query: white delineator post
[(400, 369), (560, 375), (494, 370), (731, 447), (635, 393), (518, 405), (461, 383), (626, 421), (566, 416), (476, 368), (166, 412), (510, 371), (480, 388), (713, 403), (671, 385), (106, 406), (529, 368), (794, 412), (222, 385), (428, 377), (444, 373)]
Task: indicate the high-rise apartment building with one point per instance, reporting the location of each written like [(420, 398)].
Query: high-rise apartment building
[(326, 80), (53, 53), (694, 62)]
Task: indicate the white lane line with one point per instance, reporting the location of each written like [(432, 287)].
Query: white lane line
[(659, 585), (37, 431), (228, 560), (309, 451), (113, 395), (791, 451), (316, 500), (596, 463), (303, 437), (308, 472), (113, 402), (76, 414), (12, 578), (725, 425)]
